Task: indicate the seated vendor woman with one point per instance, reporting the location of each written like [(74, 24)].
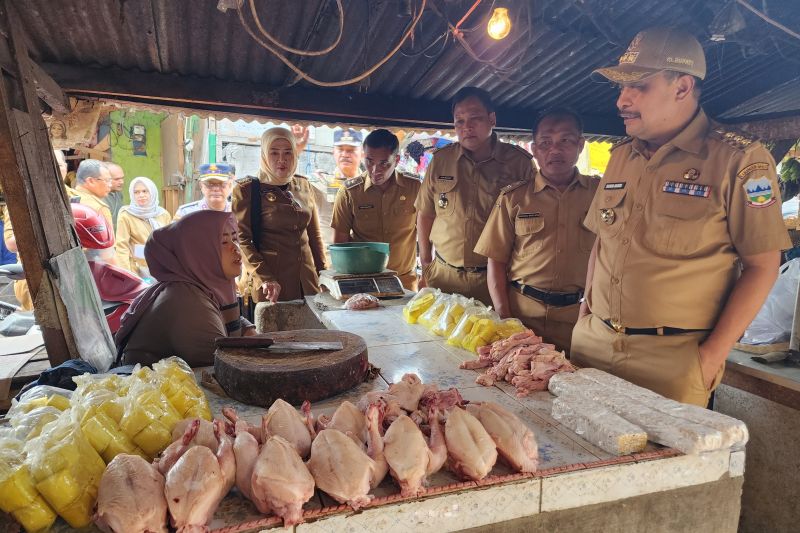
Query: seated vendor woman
[(193, 301)]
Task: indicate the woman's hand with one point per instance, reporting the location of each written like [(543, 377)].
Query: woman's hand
[(271, 290), (249, 331)]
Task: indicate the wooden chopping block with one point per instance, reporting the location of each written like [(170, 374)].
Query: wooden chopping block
[(259, 377)]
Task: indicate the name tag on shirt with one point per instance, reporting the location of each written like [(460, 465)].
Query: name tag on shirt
[(687, 189), (614, 186), (529, 215), (446, 178), (367, 206)]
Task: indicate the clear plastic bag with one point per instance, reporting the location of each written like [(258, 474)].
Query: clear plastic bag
[(149, 417), (18, 495), (429, 317), (29, 425), (467, 322), (99, 413), (451, 315), (179, 385), (419, 303), (40, 396), (773, 323), (66, 470)]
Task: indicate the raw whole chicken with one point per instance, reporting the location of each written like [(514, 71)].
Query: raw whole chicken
[(245, 450), (342, 469), (361, 301), (183, 440), (205, 433), (409, 457), (198, 481), (235, 423), (515, 441), (281, 482), (390, 406), (130, 498), (408, 391), (284, 421), (471, 451), (347, 419)]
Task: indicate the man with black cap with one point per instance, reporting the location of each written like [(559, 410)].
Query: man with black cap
[(683, 203), (216, 184)]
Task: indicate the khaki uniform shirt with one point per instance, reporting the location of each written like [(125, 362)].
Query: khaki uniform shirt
[(375, 215), (96, 203), (538, 231), (133, 231), (460, 193), (672, 227), (290, 244), (191, 207)]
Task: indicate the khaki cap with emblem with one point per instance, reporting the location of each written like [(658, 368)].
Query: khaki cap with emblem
[(657, 49)]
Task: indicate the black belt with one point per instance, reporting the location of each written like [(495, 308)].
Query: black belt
[(460, 269), (556, 299), (649, 331)]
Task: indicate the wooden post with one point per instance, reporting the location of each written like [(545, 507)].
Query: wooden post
[(35, 194)]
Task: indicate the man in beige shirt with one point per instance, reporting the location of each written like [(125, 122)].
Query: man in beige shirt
[(461, 185), (93, 183), (535, 240), (378, 206), (689, 230)]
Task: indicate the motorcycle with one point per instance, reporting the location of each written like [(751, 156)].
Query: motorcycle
[(116, 286)]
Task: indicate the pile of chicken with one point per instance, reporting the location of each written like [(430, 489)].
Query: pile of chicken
[(410, 431), (523, 360)]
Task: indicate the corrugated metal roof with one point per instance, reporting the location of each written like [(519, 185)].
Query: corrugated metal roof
[(549, 61)]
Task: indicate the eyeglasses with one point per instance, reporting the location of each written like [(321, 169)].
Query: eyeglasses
[(214, 185), (108, 182)]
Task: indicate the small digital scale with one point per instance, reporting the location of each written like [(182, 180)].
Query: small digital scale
[(343, 286)]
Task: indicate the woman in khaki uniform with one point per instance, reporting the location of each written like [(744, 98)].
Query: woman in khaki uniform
[(279, 226), (135, 224)]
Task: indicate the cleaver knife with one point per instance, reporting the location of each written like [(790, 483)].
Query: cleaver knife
[(267, 343)]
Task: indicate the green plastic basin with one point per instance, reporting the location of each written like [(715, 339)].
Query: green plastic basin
[(359, 257)]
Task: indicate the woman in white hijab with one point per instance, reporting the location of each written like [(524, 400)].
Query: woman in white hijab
[(279, 224), (135, 224)]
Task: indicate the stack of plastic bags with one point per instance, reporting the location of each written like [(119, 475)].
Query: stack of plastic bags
[(179, 386), (464, 322), (18, 495)]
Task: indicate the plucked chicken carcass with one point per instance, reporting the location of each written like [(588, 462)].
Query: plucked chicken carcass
[(130, 498), (198, 481), (515, 441), (183, 440), (471, 451), (205, 433), (281, 482), (347, 419), (342, 469), (408, 391), (409, 456), (284, 421), (390, 405), (235, 423), (246, 450)]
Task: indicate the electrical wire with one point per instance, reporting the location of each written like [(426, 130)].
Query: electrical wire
[(341, 83), (291, 50), (768, 19)]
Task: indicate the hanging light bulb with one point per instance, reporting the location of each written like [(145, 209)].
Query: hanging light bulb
[(499, 25)]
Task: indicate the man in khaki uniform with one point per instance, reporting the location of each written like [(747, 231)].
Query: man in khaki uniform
[(461, 185), (682, 205), (93, 183), (116, 197), (378, 206), (535, 240)]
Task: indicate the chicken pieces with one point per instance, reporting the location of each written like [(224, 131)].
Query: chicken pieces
[(280, 481), (471, 451), (342, 469), (515, 441), (409, 456), (198, 481), (130, 498), (284, 421)]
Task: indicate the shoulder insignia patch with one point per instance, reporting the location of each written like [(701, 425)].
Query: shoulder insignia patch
[(353, 182), (412, 177), (624, 140), (520, 149), (735, 139), (513, 186), (245, 180), (752, 168), (300, 176)]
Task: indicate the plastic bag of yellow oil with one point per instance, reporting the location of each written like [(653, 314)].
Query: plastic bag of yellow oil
[(419, 303), (468, 320), (65, 469), (99, 413), (483, 332), (40, 396), (29, 425), (431, 315), (18, 496), (149, 417), (180, 387), (508, 327), (451, 314)]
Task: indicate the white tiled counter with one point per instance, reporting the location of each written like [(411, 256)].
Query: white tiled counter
[(579, 487)]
